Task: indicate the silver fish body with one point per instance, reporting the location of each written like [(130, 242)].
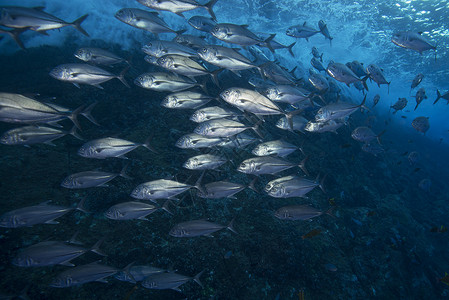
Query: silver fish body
[(301, 31), (297, 212), (319, 82), (290, 186), (213, 112), (325, 31), (324, 126), (197, 228), (182, 65), (277, 74), (250, 101), (186, 100), (357, 68), (83, 274), (138, 273), (29, 135), (88, 179), (168, 280), (108, 147), (158, 49), (338, 110), (165, 82), (142, 19), (202, 23), (130, 211), (376, 74), (98, 56), (264, 165), (317, 64), (235, 34), (238, 141), (286, 94), (196, 141), (412, 40), (191, 41), (220, 189), (204, 162), (298, 123), (178, 6), (226, 58), (399, 105), (220, 128), (342, 73), (279, 148), (159, 189)]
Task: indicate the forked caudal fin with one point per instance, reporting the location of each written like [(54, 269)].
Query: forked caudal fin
[(77, 24), (209, 7)]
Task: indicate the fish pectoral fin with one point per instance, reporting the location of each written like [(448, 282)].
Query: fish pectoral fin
[(143, 218), (67, 264), (176, 289), (76, 84), (98, 86), (50, 144)]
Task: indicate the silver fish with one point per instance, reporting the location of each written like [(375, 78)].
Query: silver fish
[(90, 179), (373, 148), (158, 49), (226, 58), (286, 94), (191, 41), (420, 96), (337, 110), (83, 274), (221, 128), (138, 273), (416, 81), (250, 101), (326, 126), (267, 165), (30, 135), (365, 134), (169, 280), (15, 108), (85, 74), (278, 74), (179, 6), (317, 54), (130, 211), (317, 64), (291, 186), (165, 82), (204, 162), (151, 59), (98, 56), (325, 31), (212, 112), (297, 212), (376, 74), (412, 40), (318, 81), (376, 99), (186, 100), (275, 44), (357, 68), (301, 31), (202, 23), (198, 228), (36, 214), (196, 141), (220, 189), (260, 83), (109, 147), (279, 148), (421, 124), (146, 20), (182, 65), (399, 105), (159, 189), (51, 253), (35, 19), (344, 74), (240, 35), (298, 123), (238, 141)]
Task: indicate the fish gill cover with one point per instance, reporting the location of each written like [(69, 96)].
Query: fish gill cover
[(315, 132)]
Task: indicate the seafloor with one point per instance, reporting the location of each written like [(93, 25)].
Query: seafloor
[(379, 239)]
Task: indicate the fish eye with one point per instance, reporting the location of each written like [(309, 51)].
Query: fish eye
[(243, 165), (204, 50)]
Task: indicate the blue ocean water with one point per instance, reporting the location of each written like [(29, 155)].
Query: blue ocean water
[(385, 235)]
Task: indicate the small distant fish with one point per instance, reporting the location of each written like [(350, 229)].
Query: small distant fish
[(325, 31), (198, 228), (404, 117), (317, 64), (228, 254), (376, 99), (376, 74), (421, 124), (420, 96), (169, 280), (317, 54), (331, 267), (373, 148), (138, 273), (312, 233), (298, 212), (416, 81)]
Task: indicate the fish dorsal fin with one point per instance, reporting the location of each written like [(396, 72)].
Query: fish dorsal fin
[(244, 26)]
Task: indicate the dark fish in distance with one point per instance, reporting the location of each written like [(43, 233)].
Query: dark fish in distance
[(90, 179), (83, 274), (416, 81), (413, 157), (202, 23), (169, 280), (198, 228), (399, 105), (317, 64), (420, 96), (376, 74), (365, 134), (317, 54), (376, 99), (298, 212), (421, 124), (373, 148), (138, 273)]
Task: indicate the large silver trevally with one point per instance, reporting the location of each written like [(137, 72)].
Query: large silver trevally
[(222, 128), (34, 18), (169, 280), (344, 74), (325, 31), (298, 123), (98, 56), (318, 81), (16, 108), (165, 82), (213, 112), (109, 147), (158, 49), (357, 67), (43, 213), (191, 41), (198, 228), (204, 162), (138, 273), (286, 94), (301, 31), (51, 253), (250, 101), (182, 65), (376, 74), (226, 58), (238, 141), (202, 23), (279, 148), (29, 135), (146, 20), (298, 212), (268, 165), (337, 110), (179, 6), (240, 35), (159, 189), (130, 211), (291, 186), (412, 40), (83, 274), (196, 141), (85, 74), (186, 100), (90, 179), (220, 189)]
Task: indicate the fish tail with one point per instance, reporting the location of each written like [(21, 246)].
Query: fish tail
[(77, 24), (123, 172), (81, 206), (289, 48), (179, 32), (121, 77), (252, 185), (208, 6), (321, 57), (96, 247), (268, 40), (15, 33), (321, 182), (231, 226), (74, 116), (214, 76), (388, 91), (74, 133), (197, 278), (147, 144), (379, 135), (256, 129), (87, 113), (438, 97), (416, 106), (302, 165), (198, 183), (166, 206)]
